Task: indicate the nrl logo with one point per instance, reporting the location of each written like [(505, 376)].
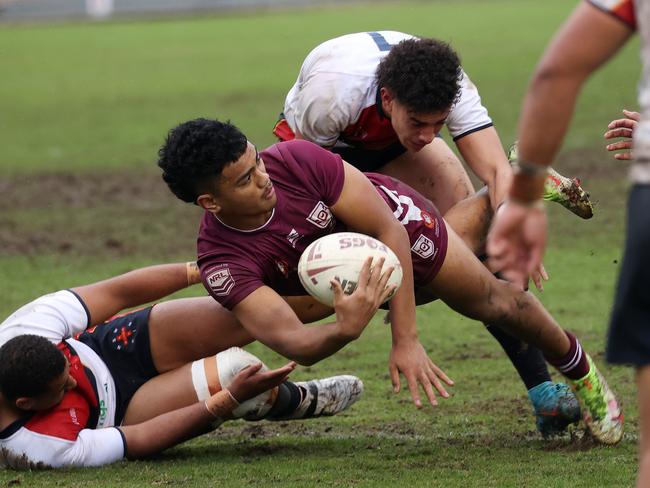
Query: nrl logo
[(220, 281)]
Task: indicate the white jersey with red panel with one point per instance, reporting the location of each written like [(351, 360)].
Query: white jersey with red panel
[(334, 99), (72, 433)]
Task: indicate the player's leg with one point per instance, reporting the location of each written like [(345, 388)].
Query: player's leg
[(200, 379), (554, 404), (187, 329), (484, 297), (435, 172)]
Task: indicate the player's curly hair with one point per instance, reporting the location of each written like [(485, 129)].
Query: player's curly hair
[(28, 364), (195, 153), (423, 74)]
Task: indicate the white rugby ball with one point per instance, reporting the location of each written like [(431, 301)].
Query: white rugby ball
[(340, 257)]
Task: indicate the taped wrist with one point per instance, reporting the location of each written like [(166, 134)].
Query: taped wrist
[(193, 273), (221, 404)]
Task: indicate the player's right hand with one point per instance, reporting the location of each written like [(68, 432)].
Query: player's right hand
[(622, 128), (354, 311), (250, 382)]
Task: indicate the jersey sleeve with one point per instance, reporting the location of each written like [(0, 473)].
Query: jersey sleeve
[(622, 10), (468, 115), (229, 281), (28, 450), (318, 169), (56, 317)]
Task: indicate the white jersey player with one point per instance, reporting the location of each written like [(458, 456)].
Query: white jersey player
[(379, 99), (77, 389)]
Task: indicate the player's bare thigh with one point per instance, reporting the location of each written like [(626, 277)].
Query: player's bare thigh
[(187, 329), (435, 171), (164, 393)]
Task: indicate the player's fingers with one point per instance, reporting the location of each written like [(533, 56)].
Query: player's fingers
[(250, 370), (624, 156), (335, 286), (385, 293), (620, 132), (636, 116), (394, 378), (542, 272), (428, 389), (440, 373), (624, 123), (413, 388), (375, 272), (364, 275), (616, 146)]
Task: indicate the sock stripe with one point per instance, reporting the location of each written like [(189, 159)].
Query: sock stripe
[(577, 356)]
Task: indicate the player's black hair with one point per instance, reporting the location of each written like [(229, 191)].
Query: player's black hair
[(423, 74), (195, 153), (28, 364)]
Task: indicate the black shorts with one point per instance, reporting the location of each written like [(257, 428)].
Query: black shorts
[(629, 333), (369, 161), (123, 344)]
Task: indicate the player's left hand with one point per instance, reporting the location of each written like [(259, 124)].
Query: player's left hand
[(516, 241), (622, 128), (412, 361)]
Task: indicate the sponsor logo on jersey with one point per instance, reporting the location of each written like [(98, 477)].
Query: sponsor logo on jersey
[(424, 247), (321, 216), (123, 336), (220, 281), (293, 237)]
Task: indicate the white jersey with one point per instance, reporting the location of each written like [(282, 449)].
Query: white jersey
[(335, 96), (72, 433)]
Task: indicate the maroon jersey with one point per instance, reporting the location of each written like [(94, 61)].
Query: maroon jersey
[(307, 180)]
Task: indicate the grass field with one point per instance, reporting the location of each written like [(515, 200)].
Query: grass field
[(83, 109)]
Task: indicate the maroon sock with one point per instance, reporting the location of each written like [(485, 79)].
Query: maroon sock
[(574, 364)]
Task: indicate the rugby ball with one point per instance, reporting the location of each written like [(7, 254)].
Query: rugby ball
[(340, 257)]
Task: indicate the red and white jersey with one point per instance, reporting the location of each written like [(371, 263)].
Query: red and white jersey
[(335, 96), (72, 433)]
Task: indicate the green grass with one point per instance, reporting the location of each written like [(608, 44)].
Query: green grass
[(83, 109)]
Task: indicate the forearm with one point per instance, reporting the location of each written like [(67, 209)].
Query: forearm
[(484, 154), (166, 430), (402, 305)]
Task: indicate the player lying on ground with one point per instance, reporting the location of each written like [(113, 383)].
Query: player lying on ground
[(263, 210), (145, 380), (379, 99)]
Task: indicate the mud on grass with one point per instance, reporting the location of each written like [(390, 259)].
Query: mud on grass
[(124, 212)]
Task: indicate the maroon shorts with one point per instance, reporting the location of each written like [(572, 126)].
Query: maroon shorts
[(423, 223)]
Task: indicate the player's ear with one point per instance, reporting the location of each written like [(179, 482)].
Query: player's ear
[(208, 202), (387, 98), (25, 403)]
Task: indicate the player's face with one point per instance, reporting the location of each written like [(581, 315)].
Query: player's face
[(55, 391), (245, 195), (414, 130)]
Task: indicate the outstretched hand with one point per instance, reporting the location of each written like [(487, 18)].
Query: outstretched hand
[(250, 381), (413, 362), (516, 242), (622, 128)]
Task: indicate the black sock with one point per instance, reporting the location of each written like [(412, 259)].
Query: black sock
[(527, 360), (288, 399)]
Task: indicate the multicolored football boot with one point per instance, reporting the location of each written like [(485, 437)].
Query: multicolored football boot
[(565, 191), (556, 407), (600, 409)]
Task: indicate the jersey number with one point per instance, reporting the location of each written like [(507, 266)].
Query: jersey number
[(381, 41)]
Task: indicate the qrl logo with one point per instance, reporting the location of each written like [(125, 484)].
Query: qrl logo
[(347, 242), (424, 247), (320, 216)]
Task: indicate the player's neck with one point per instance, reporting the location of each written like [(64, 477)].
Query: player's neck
[(246, 223)]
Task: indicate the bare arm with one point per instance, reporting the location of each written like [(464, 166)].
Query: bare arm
[(483, 152), (108, 297), (407, 354), (174, 427), (270, 319)]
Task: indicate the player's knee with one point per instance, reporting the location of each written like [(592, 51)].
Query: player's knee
[(210, 375)]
